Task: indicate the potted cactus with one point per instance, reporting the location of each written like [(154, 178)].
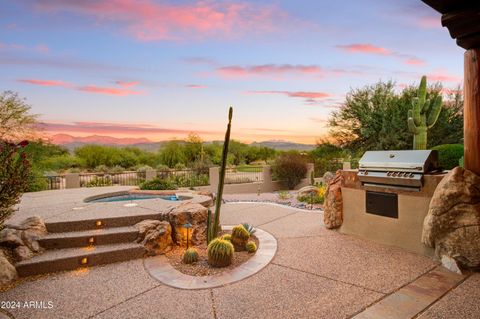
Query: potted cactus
[(220, 253)]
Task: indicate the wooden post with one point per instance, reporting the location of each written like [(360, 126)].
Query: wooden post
[(471, 110)]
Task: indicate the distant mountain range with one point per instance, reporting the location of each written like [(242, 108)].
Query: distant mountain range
[(72, 142)]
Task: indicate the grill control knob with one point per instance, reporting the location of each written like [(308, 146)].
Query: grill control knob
[(395, 174), (400, 174), (366, 173)]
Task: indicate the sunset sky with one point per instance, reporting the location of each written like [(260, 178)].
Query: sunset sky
[(161, 69)]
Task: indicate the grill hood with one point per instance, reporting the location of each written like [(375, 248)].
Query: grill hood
[(421, 161)]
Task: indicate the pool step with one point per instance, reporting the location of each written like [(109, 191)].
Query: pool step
[(91, 224), (88, 237), (72, 258)]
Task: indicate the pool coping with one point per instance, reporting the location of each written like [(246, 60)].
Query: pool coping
[(160, 269)]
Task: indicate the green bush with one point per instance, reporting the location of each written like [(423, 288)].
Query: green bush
[(290, 168), (98, 181), (36, 181), (158, 184), (14, 173), (449, 155)]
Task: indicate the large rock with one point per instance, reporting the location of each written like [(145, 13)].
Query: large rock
[(155, 235), (452, 225), (307, 191), (192, 213), (333, 207), (8, 273), (10, 238), (22, 253)]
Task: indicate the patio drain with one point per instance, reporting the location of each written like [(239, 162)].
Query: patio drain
[(160, 269)]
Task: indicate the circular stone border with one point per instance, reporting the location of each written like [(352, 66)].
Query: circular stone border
[(159, 268)]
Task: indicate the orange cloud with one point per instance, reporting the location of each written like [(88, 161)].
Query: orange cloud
[(364, 48), (268, 69), (45, 82), (310, 97), (147, 20)]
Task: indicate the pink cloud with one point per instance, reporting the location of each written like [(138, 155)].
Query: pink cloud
[(309, 97), (268, 69), (364, 48), (127, 84), (414, 61), (147, 20), (108, 90), (42, 48), (429, 22), (442, 76), (123, 90), (196, 86), (44, 82)]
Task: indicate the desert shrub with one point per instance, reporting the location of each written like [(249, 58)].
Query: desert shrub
[(61, 162), (284, 195), (36, 181), (158, 184), (189, 180), (117, 169), (162, 167), (317, 198), (101, 169), (14, 173), (290, 168), (143, 168), (180, 166), (449, 155), (98, 181)]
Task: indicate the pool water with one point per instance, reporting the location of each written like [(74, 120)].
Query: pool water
[(130, 197)]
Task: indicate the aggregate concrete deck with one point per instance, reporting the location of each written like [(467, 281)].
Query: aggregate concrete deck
[(316, 273)]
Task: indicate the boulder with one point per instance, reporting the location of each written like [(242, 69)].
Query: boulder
[(8, 273), (208, 194), (452, 225), (327, 177), (307, 191), (333, 206), (192, 213), (10, 237), (155, 235), (22, 253)]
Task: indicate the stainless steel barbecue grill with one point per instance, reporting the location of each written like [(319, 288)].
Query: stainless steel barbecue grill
[(396, 169)]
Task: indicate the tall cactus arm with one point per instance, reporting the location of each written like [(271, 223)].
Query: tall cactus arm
[(422, 95), (434, 111), (415, 112), (411, 123)]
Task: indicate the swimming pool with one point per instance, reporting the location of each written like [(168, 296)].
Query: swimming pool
[(130, 197)]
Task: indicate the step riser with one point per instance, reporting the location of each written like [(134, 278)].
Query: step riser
[(82, 241), (72, 263), (80, 225)]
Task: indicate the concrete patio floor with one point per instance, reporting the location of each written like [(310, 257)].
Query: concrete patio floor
[(316, 273)]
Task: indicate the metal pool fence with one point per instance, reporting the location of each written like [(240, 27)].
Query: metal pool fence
[(190, 177), (239, 175), (127, 178), (54, 182)]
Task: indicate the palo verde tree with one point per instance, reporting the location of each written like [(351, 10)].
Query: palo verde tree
[(423, 115), (16, 123)]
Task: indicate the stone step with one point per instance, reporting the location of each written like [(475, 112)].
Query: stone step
[(103, 236), (73, 258), (97, 223)]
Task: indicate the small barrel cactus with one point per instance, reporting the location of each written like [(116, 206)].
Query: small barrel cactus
[(190, 256), (227, 237), (220, 253), (251, 247), (240, 237)]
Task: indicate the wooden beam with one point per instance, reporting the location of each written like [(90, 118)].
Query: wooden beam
[(471, 110)]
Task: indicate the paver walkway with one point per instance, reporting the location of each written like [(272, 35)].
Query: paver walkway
[(316, 273)]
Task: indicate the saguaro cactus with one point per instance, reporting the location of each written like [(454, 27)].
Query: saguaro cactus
[(423, 115), (216, 223)]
